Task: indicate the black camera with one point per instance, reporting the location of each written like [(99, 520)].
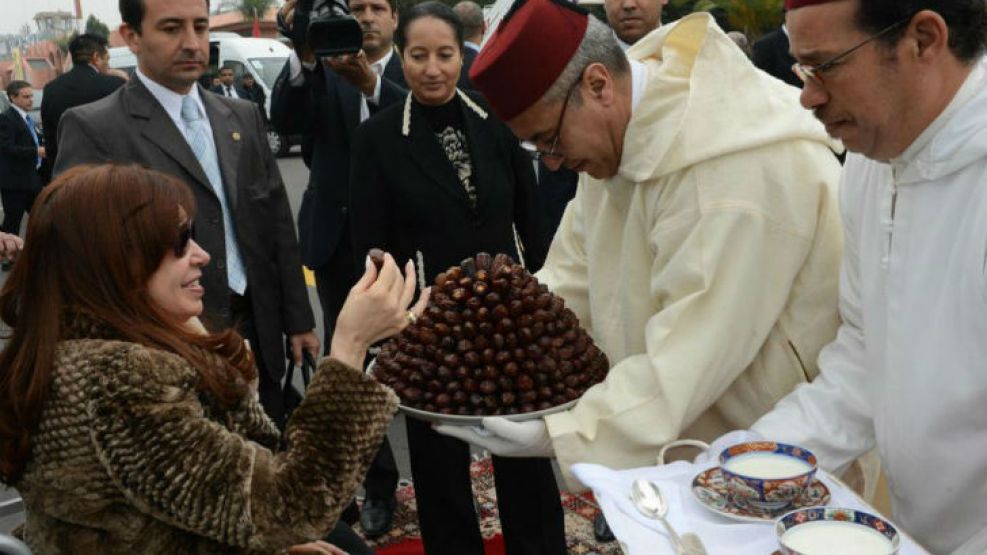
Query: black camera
[(326, 26)]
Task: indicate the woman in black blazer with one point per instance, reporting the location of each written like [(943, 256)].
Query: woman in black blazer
[(435, 179)]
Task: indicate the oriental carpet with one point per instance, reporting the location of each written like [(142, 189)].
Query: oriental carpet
[(405, 539)]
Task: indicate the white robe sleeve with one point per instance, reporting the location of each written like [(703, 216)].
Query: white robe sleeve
[(565, 271), (833, 416), (722, 289)]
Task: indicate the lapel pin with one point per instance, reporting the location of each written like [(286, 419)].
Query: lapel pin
[(236, 136)]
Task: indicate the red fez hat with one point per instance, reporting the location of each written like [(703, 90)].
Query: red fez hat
[(796, 4), (527, 53)]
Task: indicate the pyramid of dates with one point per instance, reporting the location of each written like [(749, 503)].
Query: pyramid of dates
[(492, 341)]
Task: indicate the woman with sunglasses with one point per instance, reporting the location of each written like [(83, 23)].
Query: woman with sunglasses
[(127, 428), (438, 178)]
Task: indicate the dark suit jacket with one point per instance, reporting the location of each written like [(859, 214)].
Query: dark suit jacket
[(130, 126), (407, 199), (326, 110), (255, 93), (771, 55), (464, 77), (555, 190), (18, 154), (221, 91), (81, 85)]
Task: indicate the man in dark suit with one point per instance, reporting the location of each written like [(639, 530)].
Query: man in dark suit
[(20, 157), (324, 101), (474, 26), (771, 54), (163, 120), (84, 83), (227, 85)]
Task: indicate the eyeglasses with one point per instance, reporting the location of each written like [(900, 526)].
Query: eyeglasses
[(533, 150), (815, 74), (186, 233)]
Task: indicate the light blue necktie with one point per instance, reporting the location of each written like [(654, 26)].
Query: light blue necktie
[(197, 135), (34, 135)]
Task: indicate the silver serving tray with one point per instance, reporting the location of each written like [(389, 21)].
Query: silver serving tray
[(457, 420)]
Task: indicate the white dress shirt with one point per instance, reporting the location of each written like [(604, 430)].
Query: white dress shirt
[(30, 128), (378, 68), (230, 91), (23, 115), (172, 103)]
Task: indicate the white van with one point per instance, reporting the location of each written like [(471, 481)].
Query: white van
[(263, 58)]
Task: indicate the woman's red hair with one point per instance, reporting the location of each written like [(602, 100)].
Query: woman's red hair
[(94, 238)]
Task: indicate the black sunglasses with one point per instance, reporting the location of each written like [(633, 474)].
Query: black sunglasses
[(186, 233)]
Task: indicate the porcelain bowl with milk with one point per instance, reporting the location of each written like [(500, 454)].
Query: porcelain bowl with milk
[(828, 530), (767, 474)]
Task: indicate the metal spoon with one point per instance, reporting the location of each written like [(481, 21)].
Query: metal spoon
[(649, 502)]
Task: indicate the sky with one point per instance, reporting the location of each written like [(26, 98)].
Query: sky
[(18, 12)]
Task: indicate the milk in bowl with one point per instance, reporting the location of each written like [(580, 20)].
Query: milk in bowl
[(767, 466), (767, 474), (824, 531)]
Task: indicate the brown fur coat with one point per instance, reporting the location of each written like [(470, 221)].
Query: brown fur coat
[(130, 458)]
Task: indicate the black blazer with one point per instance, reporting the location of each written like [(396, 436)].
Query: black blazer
[(464, 76), (221, 91), (407, 199), (255, 93), (770, 53), (80, 85), (130, 126), (326, 111), (18, 154)]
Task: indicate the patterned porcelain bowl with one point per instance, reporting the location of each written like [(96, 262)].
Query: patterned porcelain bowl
[(828, 530), (767, 474)]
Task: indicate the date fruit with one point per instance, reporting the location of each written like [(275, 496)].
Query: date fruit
[(492, 341)]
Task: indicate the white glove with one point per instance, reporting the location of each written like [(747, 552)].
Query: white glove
[(712, 455), (504, 437)]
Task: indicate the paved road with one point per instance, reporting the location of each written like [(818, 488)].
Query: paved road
[(295, 176)]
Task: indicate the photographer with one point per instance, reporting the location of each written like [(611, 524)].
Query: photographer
[(325, 99)]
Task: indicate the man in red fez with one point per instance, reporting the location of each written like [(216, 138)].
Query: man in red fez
[(631, 20), (701, 249), (903, 84)]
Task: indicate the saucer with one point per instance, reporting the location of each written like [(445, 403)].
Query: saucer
[(709, 488)]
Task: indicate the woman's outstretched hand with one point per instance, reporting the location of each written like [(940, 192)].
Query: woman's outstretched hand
[(377, 307)]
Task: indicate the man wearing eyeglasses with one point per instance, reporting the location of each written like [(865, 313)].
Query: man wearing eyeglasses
[(904, 86), (702, 246)]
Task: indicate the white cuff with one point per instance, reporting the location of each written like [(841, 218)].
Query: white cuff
[(295, 76), (375, 98)]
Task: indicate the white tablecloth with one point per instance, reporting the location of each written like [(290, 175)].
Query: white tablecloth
[(640, 536)]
